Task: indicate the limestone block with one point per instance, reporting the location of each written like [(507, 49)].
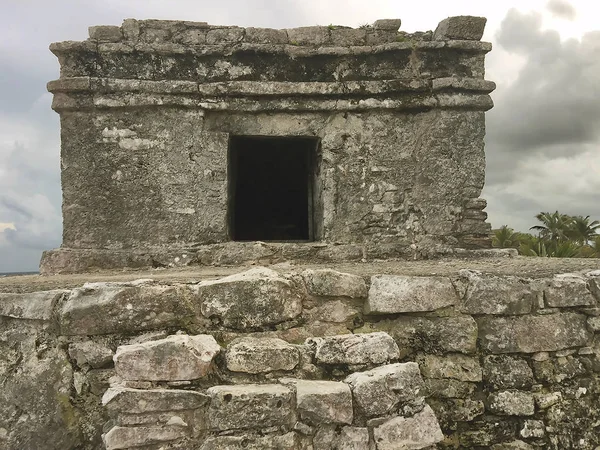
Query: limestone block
[(192, 36), (308, 35), (486, 294), (127, 437), (449, 388), (456, 366), (347, 438), (392, 385), (142, 401), (251, 299), (531, 334), (347, 37), (380, 36), (248, 406), (372, 348), (335, 311), (31, 306), (224, 35), (594, 323), (513, 445), (265, 36), (105, 33), (457, 409), (511, 403), (320, 402), (104, 308), (568, 290), (286, 441), (179, 357), (507, 372), (91, 354), (392, 294), (387, 24), (420, 431), (257, 355), (330, 283), (460, 28), (429, 334), (546, 400)]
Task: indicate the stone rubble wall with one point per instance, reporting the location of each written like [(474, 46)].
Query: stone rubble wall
[(315, 359)]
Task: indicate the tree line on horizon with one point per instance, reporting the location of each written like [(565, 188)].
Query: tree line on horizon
[(558, 235)]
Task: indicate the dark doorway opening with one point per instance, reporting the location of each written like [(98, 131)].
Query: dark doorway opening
[(271, 188)]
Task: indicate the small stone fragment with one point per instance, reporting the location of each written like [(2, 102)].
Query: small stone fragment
[(533, 429), (372, 348), (330, 283), (545, 401), (420, 431), (392, 294), (247, 406), (178, 357), (392, 385), (321, 402), (460, 27), (105, 33), (387, 24), (258, 355), (456, 366), (511, 403)]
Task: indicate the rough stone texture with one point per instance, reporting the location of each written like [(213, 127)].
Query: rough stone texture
[(179, 357), (251, 299), (568, 290), (324, 402), (173, 93), (511, 403), (250, 442), (372, 348), (530, 334), (456, 366), (460, 27), (506, 372), (90, 354), (420, 431), (347, 438), (250, 406), (330, 283), (391, 294), (252, 355), (513, 445), (392, 386), (140, 401), (128, 437), (496, 295), (34, 306)]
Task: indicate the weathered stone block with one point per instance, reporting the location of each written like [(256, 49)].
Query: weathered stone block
[(347, 438), (456, 410), (392, 294), (31, 306), (287, 441), (224, 35), (191, 36), (105, 33), (128, 437), (308, 35), (487, 294), (513, 445), (347, 37), (142, 401), (247, 406), (533, 429), (420, 431), (460, 27), (456, 366), (336, 311), (568, 290), (91, 354), (449, 388), (178, 357), (387, 24), (392, 385), (251, 299), (321, 402), (531, 334), (257, 355), (265, 36), (103, 308), (331, 283), (511, 403), (594, 324), (429, 334), (506, 372), (372, 348)]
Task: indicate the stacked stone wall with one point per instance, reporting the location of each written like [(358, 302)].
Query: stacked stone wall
[(310, 359)]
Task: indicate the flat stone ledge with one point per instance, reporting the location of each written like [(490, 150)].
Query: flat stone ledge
[(142, 401)]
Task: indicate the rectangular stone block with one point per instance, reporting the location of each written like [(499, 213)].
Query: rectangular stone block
[(456, 366), (460, 28), (259, 355), (105, 33), (30, 306), (265, 36), (322, 402), (248, 406), (393, 294), (331, 283), (372, 348), (139, 401), (286, 441), (420, 431), (567, 290), (128, 437), (511, 403), (531, 334), (308, 35)]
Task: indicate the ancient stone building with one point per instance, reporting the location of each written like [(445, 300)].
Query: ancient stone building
[(182, 141), (179, 138)]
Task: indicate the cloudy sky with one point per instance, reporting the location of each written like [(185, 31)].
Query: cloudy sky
[(543, 139)]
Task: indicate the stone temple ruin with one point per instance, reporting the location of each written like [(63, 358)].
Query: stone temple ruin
[(182, 142), (331, 155)]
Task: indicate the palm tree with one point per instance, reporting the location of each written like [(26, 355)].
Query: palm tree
[(505, 237), (583, 230), (555, 226)]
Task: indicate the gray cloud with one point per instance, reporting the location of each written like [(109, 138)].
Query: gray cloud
[(562, 9)]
